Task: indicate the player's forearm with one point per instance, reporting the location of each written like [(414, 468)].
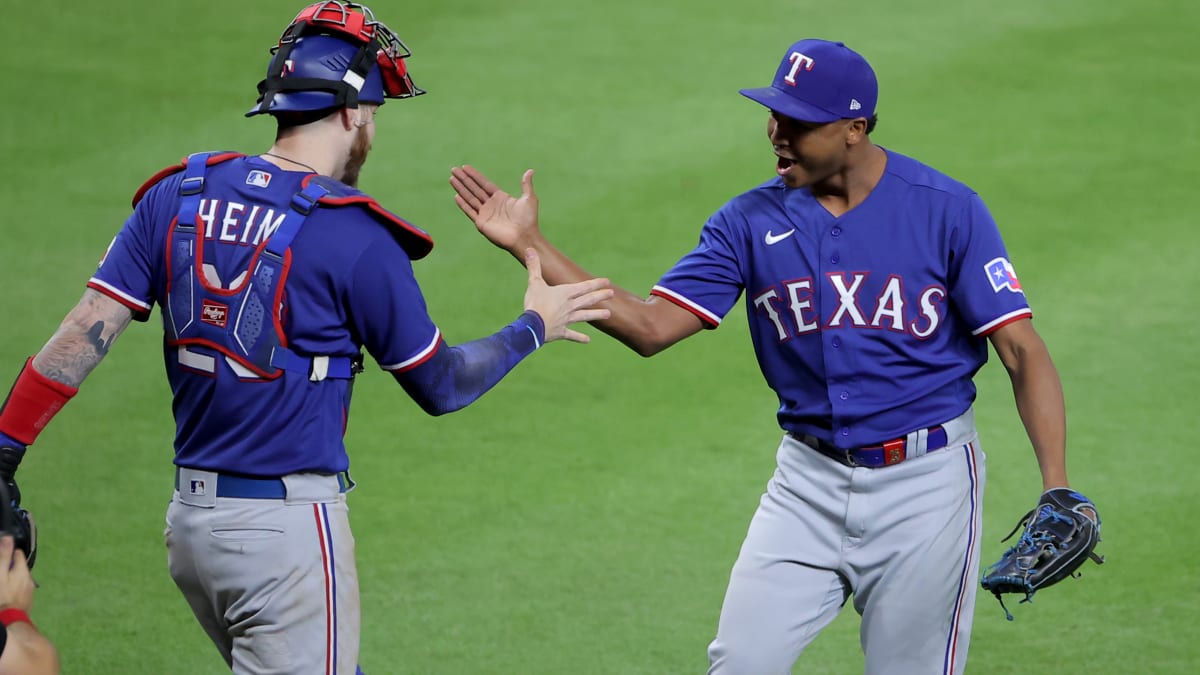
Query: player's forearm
[(28, 652), (455, 377), (83, 339), (632, 319), (1039, 398), (50, 379)]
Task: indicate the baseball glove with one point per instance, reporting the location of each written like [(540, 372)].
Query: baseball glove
[(1058, 537), (18, 522)]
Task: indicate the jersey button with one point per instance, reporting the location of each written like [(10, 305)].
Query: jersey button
[(844, 395), (834, 258), (837, 232), (837, 342), (845, 431)]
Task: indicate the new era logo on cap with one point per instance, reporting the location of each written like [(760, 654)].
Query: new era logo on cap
[(820, 81)]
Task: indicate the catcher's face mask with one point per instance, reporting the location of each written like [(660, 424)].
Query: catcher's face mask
[(335, 54)]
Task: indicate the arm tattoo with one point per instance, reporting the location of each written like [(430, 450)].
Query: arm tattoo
[(96, 336), (83, 339)]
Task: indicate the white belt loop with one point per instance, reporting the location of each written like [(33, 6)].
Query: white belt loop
[(310, 488), (918, 443), (961, 429), (197, 488), (320, 368)]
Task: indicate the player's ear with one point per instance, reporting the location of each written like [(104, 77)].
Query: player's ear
[(856, 130), (348, 117)]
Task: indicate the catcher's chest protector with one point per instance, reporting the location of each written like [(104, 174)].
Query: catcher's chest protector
[(242, 321)]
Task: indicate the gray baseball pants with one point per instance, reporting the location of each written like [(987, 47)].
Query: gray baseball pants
[(272, 581), (902, 539)]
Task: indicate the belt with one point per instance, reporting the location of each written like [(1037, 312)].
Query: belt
[(247, 487), (885, 454)]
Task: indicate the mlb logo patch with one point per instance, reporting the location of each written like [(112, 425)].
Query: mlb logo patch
[(214, 313), (258, 178), (1000, 272), (196, 487)]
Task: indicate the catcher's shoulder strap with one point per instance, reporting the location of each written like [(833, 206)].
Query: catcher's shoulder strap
[(416, 242), (210, 158), (242, 321)]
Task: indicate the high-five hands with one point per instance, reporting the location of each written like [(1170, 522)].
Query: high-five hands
[(508, 222), (565, 304)]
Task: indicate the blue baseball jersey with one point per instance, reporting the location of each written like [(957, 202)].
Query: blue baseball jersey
[(869, 325), (350, 286)]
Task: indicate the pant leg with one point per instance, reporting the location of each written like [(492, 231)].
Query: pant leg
[(919, 564), (184, 566), (785, 586), (276, 579)]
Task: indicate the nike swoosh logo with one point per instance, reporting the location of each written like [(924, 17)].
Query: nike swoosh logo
[(776, 238)]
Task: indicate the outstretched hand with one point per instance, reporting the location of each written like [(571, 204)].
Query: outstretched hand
[(565, 304), (511, 223), (508, 222)]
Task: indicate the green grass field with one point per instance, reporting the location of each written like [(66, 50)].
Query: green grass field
[(582, 518)]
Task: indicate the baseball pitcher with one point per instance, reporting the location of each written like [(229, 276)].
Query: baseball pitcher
[(873, 284)]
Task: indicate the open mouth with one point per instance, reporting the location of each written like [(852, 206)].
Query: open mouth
[(783, 165)]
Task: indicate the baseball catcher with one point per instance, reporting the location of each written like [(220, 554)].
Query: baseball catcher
[(1060, 534)]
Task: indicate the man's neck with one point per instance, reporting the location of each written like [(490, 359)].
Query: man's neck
[(300, 154), (851, 187)]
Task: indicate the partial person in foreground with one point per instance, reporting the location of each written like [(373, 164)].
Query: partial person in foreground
[(873, 284), (23, 649), (273, 272)]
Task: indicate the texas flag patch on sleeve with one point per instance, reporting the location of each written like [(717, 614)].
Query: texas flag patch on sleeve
[(1000, 272)]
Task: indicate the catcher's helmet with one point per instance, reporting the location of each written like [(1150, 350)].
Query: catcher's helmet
[(334, 54)]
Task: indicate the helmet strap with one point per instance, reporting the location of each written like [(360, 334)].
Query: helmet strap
[(345, 92)]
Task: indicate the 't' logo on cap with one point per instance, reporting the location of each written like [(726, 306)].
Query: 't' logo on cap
[(798, 61)]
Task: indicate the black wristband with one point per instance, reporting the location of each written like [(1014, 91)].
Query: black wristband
[(10, 459)]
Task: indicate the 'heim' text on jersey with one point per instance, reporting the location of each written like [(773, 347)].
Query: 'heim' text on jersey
[(235, 223)]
